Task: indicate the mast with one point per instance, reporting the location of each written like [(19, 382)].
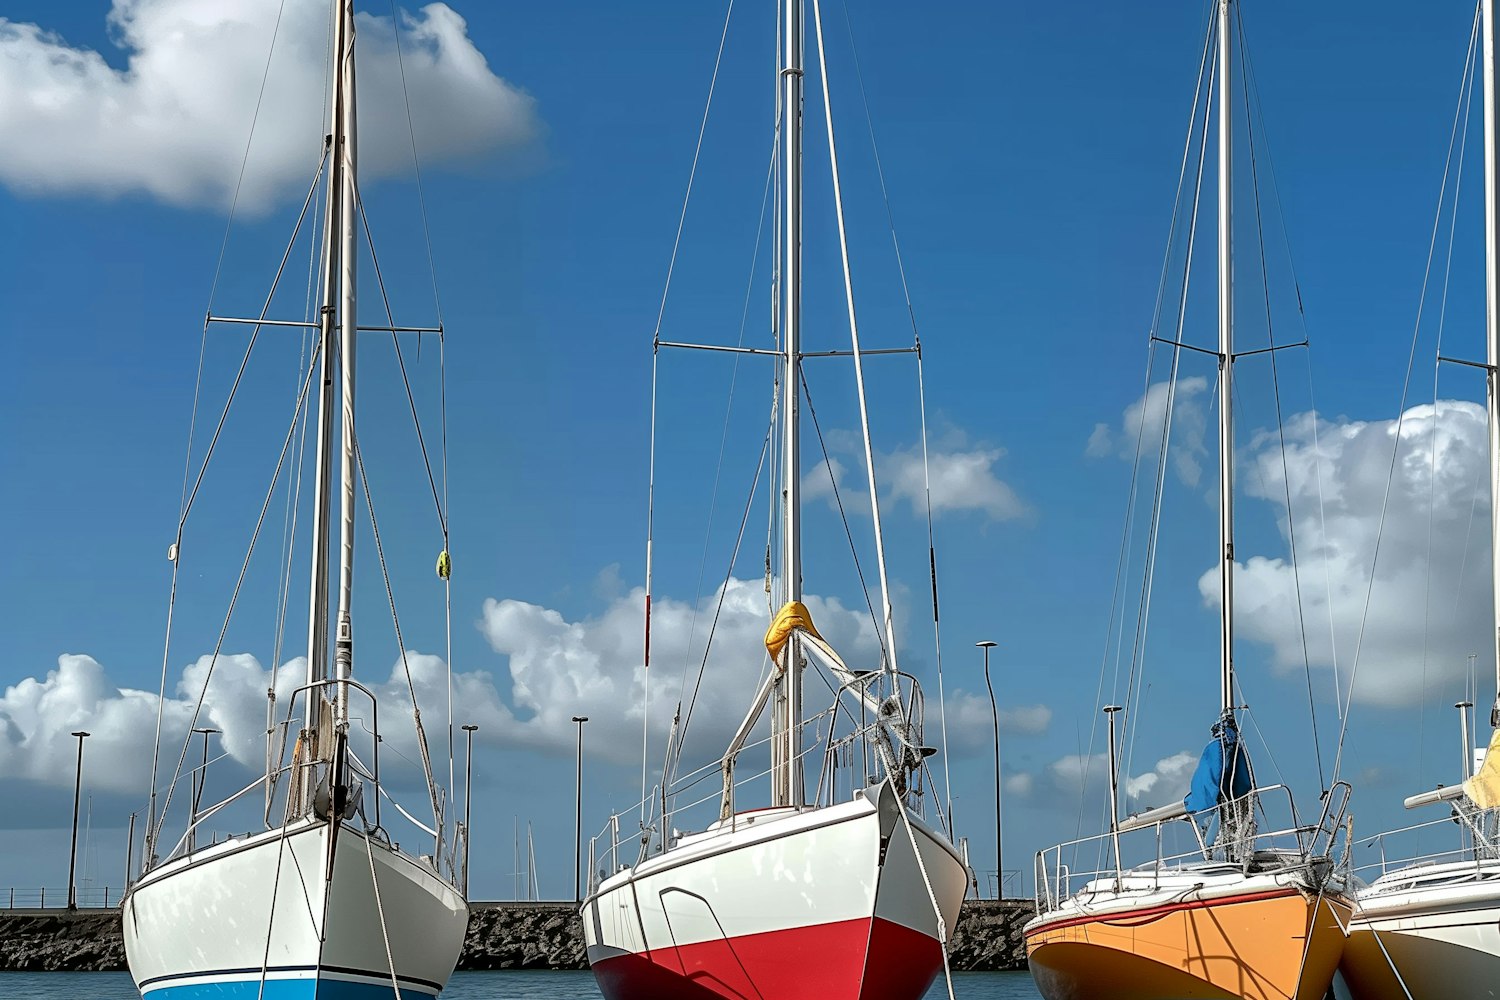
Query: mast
[(1226, 372), (786, 720), (1492, 330), (346, 150), (317, 615)]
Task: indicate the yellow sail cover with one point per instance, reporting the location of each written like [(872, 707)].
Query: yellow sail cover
[(1484, 788), (793, 614)]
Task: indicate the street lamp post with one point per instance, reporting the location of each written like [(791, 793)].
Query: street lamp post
[(578, 814), (468, 800), (205, 732), (73, 852), (987, 645)]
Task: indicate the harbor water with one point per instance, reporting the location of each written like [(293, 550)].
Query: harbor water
[(471, 986)]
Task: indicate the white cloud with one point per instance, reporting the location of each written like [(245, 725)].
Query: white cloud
[(1142, 423), (1167, 781), (1070, 779), (962, 477), (560, 668), (173, 122), (1429, 607)]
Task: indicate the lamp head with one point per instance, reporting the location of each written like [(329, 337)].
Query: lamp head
[(986, 644), (580, 718)]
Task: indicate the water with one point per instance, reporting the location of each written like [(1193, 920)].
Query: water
[(470, 986)]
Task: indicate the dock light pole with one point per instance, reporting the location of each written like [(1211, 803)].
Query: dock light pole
[(987, 645), (73, 852), (469, 731), (578, 814)]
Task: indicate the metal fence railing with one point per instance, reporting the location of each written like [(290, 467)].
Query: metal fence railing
[(86, 898)]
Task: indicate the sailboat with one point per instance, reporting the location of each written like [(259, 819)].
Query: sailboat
[(1430, 929), (836, 897), (1242, 912), (320, 903)]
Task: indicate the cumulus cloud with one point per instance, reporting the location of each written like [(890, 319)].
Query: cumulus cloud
[(559, 668), (1062, 782), (173, 122), (37, 716), (1142, 423), (963, 477), (1429, 606), (1167, 781), (554, 669)]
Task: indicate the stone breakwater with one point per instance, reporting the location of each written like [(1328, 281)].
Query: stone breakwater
[(501, 936)]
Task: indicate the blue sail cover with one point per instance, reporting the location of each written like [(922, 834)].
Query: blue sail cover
[(1223, 771)]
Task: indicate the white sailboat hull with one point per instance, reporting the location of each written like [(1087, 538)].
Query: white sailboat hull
[(1438, 927), (813, 904), (217, 922)]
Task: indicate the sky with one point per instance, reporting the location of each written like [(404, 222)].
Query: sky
[(1031, 154)]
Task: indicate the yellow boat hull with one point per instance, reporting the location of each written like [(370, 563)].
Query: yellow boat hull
[(1273, 944)]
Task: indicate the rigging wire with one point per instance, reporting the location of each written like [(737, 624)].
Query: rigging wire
[(153, 821), (390, 596), (838, 500), (1405, 389), (937, 638), (1135, 678), (655, 357), (437, 303), (890, 665), (723, 592), (1116, 605), (1246, 83), (234, 597)]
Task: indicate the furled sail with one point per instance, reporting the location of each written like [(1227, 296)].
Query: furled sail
[(1223, 772), (1484, 788), (793, 615)]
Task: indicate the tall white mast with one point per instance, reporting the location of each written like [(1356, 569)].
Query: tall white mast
[(348, 323), (786, 741), (1492, 329), (317, 614), (1226, 370)]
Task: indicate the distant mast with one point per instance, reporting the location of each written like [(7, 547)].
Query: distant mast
[(1226, 371), (786, 718)]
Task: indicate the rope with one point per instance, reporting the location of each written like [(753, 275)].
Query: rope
[(937, 635), (265, 958), (937, 911), (859, 368), (385, 932), (390, 597)]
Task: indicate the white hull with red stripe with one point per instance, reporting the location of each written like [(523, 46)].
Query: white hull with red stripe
[(827, 903)]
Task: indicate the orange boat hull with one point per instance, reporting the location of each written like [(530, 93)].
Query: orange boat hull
[(1271, 945)]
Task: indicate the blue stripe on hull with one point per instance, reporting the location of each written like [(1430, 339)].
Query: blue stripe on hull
[(284, 989)]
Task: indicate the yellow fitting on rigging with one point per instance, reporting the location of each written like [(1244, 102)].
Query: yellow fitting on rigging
[(444, 564)]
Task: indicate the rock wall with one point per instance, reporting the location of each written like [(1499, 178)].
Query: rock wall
[(61, 941), (500, 936)]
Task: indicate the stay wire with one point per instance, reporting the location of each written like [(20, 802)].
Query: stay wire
[(864, 587), (1405, 390), (411, 399), (1116, 606), (1291, 518)]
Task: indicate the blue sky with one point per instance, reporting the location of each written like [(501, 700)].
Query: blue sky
[(1031, 154)]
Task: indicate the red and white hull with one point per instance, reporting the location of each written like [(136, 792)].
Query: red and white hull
[(782, 904)]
